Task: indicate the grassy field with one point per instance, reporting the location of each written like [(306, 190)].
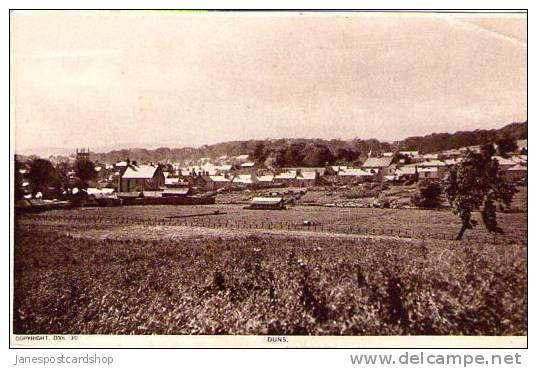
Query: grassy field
[(265, 284), (113, 277), (422, 223)]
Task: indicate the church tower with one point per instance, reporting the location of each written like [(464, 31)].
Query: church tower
[(82, 154)]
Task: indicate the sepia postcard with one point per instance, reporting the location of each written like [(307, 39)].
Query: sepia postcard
[(328, 179)]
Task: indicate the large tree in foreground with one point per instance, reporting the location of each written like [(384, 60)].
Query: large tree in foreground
[(475, 184)]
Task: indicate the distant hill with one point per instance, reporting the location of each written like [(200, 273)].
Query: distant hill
[(283, 150), (443, 141), (45, 151)]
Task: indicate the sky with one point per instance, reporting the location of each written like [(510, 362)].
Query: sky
[(120, 79)]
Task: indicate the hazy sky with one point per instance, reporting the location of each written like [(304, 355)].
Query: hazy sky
[(173, 78)]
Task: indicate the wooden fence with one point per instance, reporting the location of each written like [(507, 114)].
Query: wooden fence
[(93, 222)]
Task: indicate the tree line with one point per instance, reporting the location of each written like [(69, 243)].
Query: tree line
[(43, 179), (315, 152)]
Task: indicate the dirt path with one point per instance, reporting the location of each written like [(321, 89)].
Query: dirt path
[(193, 232)]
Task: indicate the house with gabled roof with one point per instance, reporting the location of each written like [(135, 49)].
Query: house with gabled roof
[(382, 165), (265, 181), (406, 172), (213, 182), (307, 178), (353, 175), (286, 178), (140, 178), (245, 180), (441, 168)]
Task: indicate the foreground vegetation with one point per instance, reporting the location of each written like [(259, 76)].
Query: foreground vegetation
[(263, 285)]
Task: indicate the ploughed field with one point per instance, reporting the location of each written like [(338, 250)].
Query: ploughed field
[(116, 277)]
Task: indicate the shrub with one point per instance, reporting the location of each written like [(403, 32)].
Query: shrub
[(428, 195)]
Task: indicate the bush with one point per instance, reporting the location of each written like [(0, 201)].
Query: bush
[(428, 195)]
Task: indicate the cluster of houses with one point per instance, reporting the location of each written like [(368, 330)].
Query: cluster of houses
[(129, 182), (397, 167)]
